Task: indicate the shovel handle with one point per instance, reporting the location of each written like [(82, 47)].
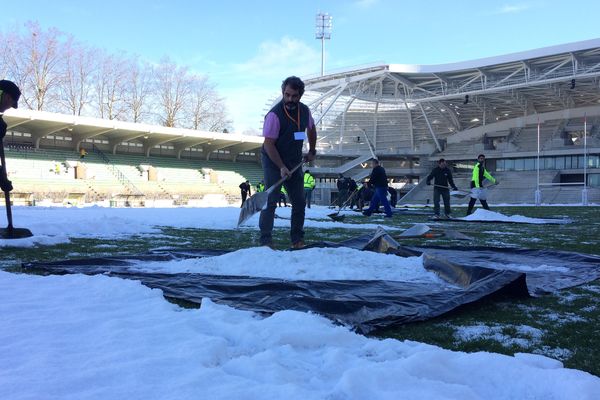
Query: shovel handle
[(442, 187), (6, 194), (279, 182)]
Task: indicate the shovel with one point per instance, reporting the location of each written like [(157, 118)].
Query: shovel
[(336, 215), (476, 195), (258, 201), (459, 194), (10, 232)]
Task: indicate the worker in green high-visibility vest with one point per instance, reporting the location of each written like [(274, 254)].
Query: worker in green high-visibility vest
[(309, 185)]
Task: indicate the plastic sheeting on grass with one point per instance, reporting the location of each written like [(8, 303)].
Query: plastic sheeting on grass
[(365, 305), (546, 270)]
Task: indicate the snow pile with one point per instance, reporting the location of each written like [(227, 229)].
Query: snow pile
[(310, 264), (481, 214)]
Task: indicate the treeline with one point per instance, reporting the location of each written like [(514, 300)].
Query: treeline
[(59, 74)]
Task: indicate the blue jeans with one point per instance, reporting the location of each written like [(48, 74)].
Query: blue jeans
[(295, 189), (307, 196), (379, 196)]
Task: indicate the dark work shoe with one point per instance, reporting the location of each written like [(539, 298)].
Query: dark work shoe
[(298, 245)]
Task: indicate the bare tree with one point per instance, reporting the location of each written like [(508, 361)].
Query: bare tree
[(110, 80), (56, 73), (205, 109), (77, 83), (138, 87), (33, 62), (173, 87), (199, 103), (218, 119), (4, 46)]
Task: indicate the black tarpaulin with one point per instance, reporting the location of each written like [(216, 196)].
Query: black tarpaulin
[(364, 305), (546, 270)]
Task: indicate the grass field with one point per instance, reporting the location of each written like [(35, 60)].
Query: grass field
[(564, 325)]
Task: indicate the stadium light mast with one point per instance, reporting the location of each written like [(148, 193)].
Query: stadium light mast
[(323, 31), (584, 192), (538, 193)]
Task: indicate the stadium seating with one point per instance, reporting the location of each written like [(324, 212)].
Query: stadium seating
[(62, 177)]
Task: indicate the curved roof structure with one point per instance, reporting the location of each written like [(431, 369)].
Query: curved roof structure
[(400, 109)]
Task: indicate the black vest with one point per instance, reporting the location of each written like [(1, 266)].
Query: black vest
[(290, 149)]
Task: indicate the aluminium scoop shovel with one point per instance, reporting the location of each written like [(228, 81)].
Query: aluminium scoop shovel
[(459, 194), (258, 201), (10, 232)]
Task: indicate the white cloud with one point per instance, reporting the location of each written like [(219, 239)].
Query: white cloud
[(250, 85), (286, 57), (513, 8)]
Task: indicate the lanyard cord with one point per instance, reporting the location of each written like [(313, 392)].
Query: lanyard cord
[(290, 117)]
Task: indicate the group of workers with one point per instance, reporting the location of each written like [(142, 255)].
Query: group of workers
[(287, 125), (285, 129)]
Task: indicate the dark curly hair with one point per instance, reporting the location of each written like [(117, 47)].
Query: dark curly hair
[(295, 83)]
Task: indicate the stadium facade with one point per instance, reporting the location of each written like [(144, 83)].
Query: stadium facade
[(409, 116), (539, 108)]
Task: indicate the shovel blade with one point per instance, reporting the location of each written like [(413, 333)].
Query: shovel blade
[(336, 217), (15, 233), (254, 204), (417, 230), (458, 194)]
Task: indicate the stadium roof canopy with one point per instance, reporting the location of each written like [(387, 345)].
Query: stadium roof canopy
[(400, 109), (41, 124)]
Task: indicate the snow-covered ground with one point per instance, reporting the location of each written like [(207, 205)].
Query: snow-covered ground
[(98, 337), (54, 225)]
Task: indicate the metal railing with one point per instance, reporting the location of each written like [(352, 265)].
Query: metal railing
[(123, 180)]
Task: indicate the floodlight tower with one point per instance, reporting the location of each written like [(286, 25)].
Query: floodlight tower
[(323, 32)]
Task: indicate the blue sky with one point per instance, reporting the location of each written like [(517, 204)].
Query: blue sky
[(247, 48)]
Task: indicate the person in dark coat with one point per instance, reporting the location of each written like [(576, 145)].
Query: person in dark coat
[(245, 190), (9, 97), (364, 194), (379, 181), (442, 177), (342, 185), (353, 190)]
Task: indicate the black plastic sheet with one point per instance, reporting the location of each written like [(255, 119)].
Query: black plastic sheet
[(546, 270), (363, 305)]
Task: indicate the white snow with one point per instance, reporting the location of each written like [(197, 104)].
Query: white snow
[(333, 263), (96, 337), (54, 225), (481, 214), (99, 337)]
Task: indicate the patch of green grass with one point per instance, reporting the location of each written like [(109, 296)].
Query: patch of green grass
[(565, 325)]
